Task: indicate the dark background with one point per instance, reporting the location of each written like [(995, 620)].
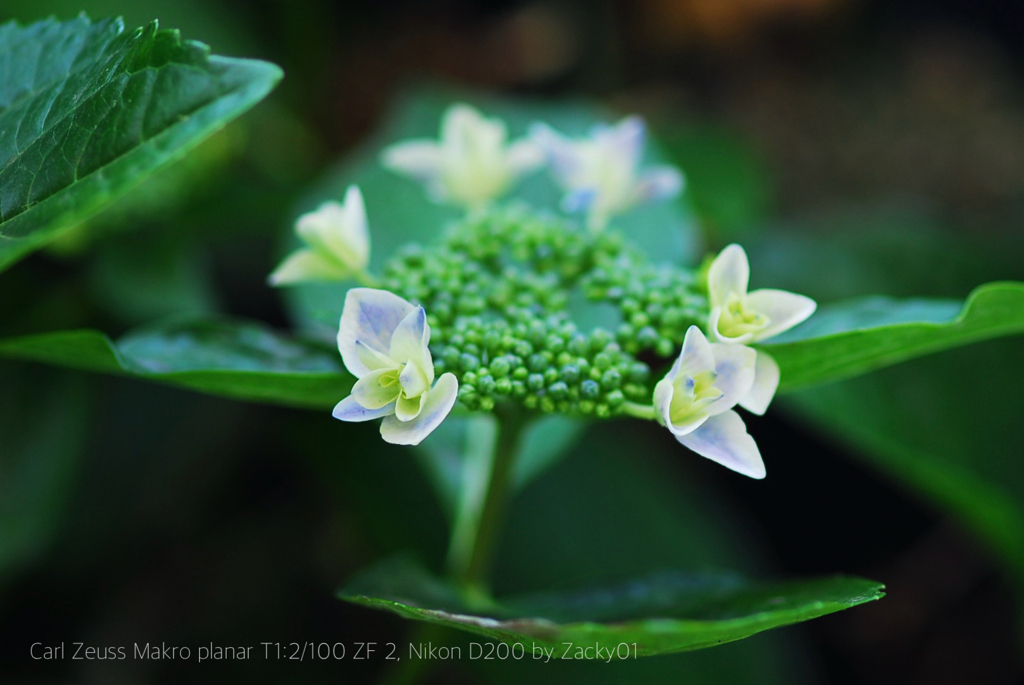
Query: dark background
[(170, 516)]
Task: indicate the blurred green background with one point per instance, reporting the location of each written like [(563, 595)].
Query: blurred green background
[(855, 147)]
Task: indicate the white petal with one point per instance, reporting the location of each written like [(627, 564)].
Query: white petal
[(355, 228), (373, 360), (350, 410), (696, 355), (438, 403), (729, 273), (627, 138), (766, 381), (307, 265), (369, 393), (408, 409), (370, 316), (784, 310), (658, 183), (420, 159), (724, 439), (409, 341), (579, 200), (663, 392), (561, 153), (523, 156), (735, 368)]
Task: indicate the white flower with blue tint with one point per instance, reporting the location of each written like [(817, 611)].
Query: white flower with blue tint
[(471, 165), (601, 173), (741, 317), (695, 402), (384, 343), (337, 244)]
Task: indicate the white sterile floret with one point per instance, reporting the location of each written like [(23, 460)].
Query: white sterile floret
[(471, 165), (741, 317), (337, 243), (601, 173), (695, 400), (384, 341)]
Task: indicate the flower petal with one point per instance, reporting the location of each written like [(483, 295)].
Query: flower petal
[(766, 381), (438, 403), (339, 232), (658, 183), (408, 408), (350, 410), (579, 200), (369, 392), (729, 273), (307, 265), (626, 140), (561, 153), (716, 334), (370, 316), (420, 160), (696, 355), (724, 439), (523, 156), (355, 230), (410, 339), (735, 368), (373, 359), (784, 310), (663, 392)]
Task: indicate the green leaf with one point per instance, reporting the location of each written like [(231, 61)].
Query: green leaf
[(399, 211), (88, 110), (855, 337), (242, 361), (660, 613)]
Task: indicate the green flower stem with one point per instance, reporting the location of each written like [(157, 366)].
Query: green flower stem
[(490, 458), (640, 411)]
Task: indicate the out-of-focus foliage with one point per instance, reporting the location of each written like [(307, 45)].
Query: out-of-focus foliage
[(103, 108), (42, 430)]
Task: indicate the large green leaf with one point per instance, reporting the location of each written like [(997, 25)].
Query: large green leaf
[(660, 613), (855, 337), (88, 109), (242, 361), (400, 212)]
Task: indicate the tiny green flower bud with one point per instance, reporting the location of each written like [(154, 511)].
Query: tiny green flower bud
[(611, 379), (535, 381), (590, 390), (570, 374), (558, 390)]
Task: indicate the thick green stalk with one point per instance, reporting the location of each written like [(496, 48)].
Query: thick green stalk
[(489, 475)]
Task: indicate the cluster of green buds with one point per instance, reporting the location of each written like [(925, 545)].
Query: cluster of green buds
[(487, 315)]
